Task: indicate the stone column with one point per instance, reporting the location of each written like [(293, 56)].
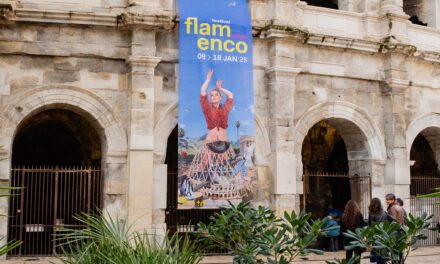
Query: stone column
[(281, 76), (391, 6), (366, 6), (141, 131), (397, 169), (286, 13)]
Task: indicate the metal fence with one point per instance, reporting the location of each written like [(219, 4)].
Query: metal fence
[(185, 221), (420, 206), (424, 184), (359, 188), (47, 201)]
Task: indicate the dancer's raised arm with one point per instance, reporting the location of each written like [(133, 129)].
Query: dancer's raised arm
[(206, 83), (228, 93)]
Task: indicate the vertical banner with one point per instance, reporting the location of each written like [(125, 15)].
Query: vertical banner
[(216, 111)]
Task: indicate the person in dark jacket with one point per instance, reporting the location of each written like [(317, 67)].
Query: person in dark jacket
[(376, 215), (352, 219)]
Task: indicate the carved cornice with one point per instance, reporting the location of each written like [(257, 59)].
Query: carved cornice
[(149, 62), (394, 85), (6, 12), (277, 72), (389, 44), (164, 21), (344, 43), (272, 30), (66, 17), (429, 56)]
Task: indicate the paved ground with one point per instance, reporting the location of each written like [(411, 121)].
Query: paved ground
[(425, 255)]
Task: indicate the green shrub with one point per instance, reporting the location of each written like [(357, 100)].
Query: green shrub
[(256, 235), (104, 240), (390, 239)]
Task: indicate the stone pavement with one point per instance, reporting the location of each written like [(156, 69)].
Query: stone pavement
[(425, 255)]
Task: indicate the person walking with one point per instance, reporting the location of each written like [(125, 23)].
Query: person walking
[(376, 215), (400, 203), (352, 219), (395, 211)]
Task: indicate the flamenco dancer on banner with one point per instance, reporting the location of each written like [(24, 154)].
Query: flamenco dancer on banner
[(213, 169)]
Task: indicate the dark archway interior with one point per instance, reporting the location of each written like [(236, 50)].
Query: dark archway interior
[(423, 155), (52, 145), (325, 163), (172, 166), (425, 175), (56, 137)]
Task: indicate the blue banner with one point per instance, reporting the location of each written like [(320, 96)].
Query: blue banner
[(216, 111)]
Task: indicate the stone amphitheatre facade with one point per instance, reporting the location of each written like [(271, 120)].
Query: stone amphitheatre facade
[(365, 70)]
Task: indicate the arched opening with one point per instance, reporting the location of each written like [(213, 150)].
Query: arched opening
[(56, 137), (337, 166), (425, 173), (333, 4), (171, 161), (56, 159), (325, 165), (425, 176), (420, 11)]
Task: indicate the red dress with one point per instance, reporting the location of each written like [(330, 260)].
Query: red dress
[(216, 117)]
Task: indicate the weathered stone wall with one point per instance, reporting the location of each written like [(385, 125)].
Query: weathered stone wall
[(366, 70)]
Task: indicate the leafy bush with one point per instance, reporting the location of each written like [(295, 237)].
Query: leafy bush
[(256, 235), (389, 240), (104, 240)]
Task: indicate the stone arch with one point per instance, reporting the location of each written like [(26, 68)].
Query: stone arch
[(428, 123), (163, 128), (91, 107), (362, 137), (263, 142)]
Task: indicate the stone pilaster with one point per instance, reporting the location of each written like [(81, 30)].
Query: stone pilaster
[(286, 13), (367, 6), (394, 22), (397, 169), (141, 132), (391, 6), (282, 91)]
